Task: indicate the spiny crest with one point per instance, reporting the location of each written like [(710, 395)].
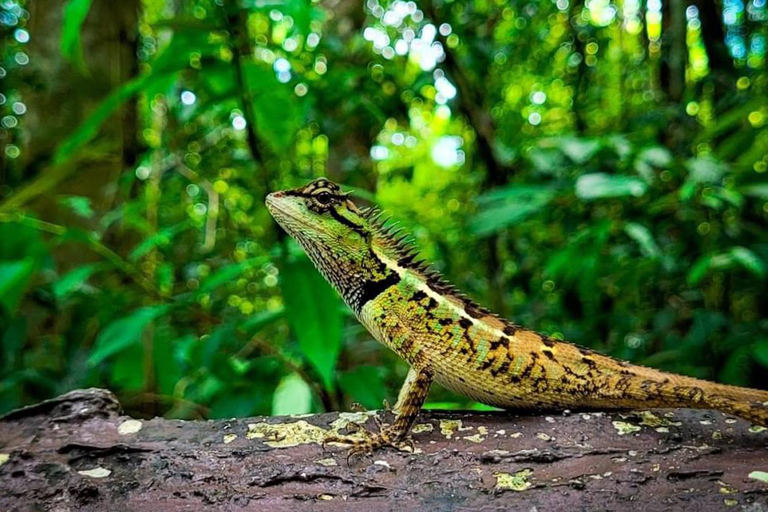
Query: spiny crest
[(407, 256)]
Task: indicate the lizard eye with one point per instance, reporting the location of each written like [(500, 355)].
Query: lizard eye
[(324, 197)]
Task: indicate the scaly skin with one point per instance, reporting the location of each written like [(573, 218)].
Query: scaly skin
[(447, 338)]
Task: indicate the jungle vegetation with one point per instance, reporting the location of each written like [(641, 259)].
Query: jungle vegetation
[(594, 169)]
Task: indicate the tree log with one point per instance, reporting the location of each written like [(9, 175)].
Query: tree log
[(77, 452)]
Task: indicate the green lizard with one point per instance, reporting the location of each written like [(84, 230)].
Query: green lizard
[(447, 338)]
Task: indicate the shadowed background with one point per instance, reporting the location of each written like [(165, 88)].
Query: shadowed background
[(596, 170)]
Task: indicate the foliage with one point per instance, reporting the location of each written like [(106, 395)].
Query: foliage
[(558, 161)]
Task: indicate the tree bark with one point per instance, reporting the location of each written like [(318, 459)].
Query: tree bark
[(78, 452)]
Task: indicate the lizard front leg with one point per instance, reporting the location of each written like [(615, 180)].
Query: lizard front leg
[(409, 402)]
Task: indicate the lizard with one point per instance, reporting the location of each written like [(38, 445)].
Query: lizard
[(447, 338)]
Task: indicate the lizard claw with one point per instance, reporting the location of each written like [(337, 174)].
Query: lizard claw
[(370, 442)]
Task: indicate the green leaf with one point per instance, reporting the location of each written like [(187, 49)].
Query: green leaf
[(657, 156), (127, 371), (123, 333), (598, 185), (168, 369), (578, 150), (14, 280), (501, 208), (292, 396), (749, 260), (74, 15), (73, 281), (644, 239), (80, 205), (274, 105), (705, 170), (313, 312), (761, 476), (759, 191), (726, 260), (699, 269), (760, 351), (365, 385)]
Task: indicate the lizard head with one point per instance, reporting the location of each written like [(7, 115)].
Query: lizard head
[(354, 249), (328, 225)]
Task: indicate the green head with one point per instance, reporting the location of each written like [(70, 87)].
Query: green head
[(338, 237)]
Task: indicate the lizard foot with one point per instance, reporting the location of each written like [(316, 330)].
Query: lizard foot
[(369, 442)]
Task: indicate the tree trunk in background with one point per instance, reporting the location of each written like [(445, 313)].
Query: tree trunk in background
[(722, 70), (59, 98), (672, 73), (77, 452)]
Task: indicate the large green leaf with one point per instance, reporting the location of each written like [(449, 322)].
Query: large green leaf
[(274, 105), (14, 280), (292, 396), (313, 312), (75, 12), (123, 333), (504, 207), (599, 185)]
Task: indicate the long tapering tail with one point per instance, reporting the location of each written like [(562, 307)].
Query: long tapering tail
[(752, 408), (646, 387)]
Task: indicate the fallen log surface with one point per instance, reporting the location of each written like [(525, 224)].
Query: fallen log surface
[(78, 452)]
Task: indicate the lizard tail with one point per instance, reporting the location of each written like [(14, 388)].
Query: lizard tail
[(754, 410), (653, 388), (749, 404)]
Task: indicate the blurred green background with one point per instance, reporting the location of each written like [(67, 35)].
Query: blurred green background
[(592, 169)]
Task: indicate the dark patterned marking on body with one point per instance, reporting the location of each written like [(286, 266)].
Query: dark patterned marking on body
[(526, 373), (490, 360), (501, 369), (549, 342), (497, 343), (372, 289)]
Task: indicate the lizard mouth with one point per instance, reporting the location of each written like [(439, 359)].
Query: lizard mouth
[(287, 216)]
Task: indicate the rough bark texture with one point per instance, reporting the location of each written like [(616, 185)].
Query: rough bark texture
[(77, 452)]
